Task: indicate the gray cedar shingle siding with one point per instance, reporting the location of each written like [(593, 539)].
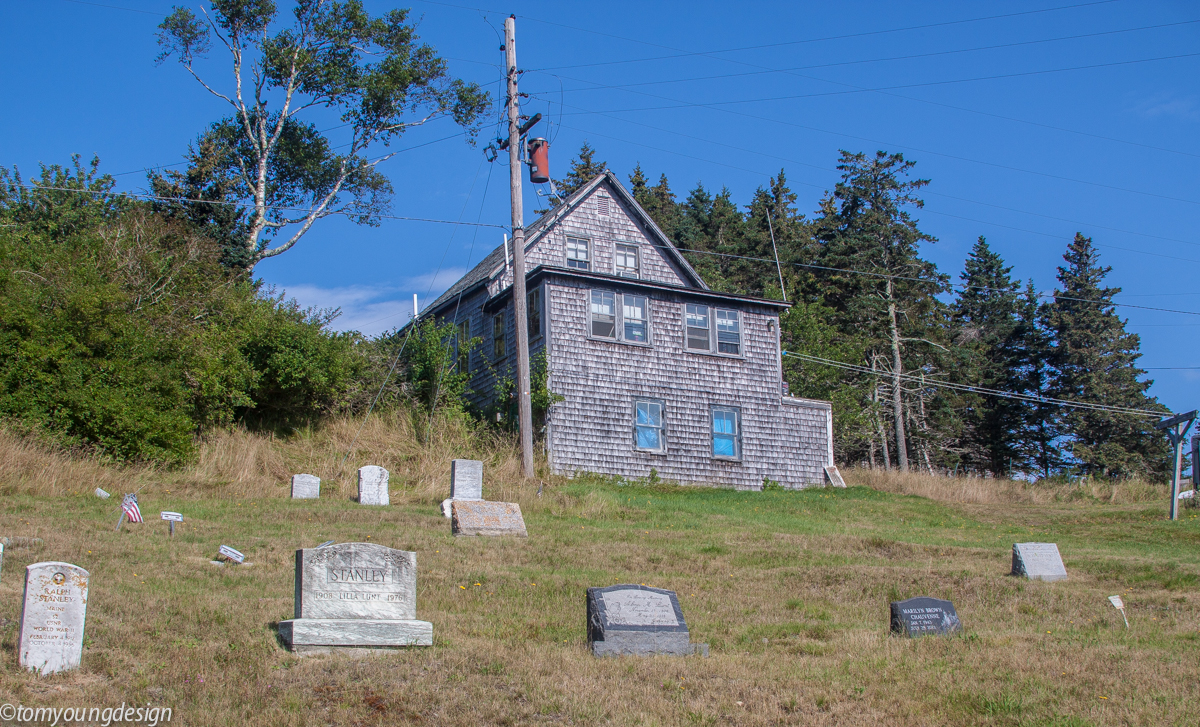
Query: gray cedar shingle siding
[(786, 439)]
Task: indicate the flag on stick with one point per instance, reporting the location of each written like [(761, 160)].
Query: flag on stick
[(130, 507)]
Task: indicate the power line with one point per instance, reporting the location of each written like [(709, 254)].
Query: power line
[(116, 7), (1034, 398), (934, 282)]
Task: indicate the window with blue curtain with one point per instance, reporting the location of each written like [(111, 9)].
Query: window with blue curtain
[(648, 425), (726, 433)]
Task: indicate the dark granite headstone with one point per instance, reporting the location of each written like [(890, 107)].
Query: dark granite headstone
[(637, 620), (922, 616)]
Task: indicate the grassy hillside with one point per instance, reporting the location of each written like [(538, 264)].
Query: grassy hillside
[(791, 590)]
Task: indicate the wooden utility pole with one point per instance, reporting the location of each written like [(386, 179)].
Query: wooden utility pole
[(1177, 428), (524, 406)]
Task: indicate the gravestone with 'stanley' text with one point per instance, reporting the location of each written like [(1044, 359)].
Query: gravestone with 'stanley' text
[(355, 595), (1038, 562), (52, 617), (466, 482), (637, 620), (922, 616), (480, 517), (306, 487), (373, 486)]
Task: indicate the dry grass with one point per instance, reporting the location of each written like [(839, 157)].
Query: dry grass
[(789, 588), (995, 491)]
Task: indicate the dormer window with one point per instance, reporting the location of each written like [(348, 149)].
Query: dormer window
[(578, 256)]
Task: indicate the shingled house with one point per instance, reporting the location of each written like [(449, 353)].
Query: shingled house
[(656, 370)]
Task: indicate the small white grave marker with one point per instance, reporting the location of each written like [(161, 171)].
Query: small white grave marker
[(373, 485), (235, 556), (1187, 495), (306, 487), (171, 518), (52, 617), (1120, 606), (102, 494)]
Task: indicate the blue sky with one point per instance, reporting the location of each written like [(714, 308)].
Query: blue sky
[(1060, 116)]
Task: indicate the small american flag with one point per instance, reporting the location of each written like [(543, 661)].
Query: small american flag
[(130, 506)]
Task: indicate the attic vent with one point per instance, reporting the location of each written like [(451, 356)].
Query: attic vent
[(602, 205)]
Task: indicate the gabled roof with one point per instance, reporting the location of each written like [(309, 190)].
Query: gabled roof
[(481, 273)]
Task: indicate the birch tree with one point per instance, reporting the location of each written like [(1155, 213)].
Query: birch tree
[(267, 158)]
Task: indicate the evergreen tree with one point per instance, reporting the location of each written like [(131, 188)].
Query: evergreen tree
[(985, 317), (584, 168), (866, 226), (1096, 362), (658, 201), (1030, 348)]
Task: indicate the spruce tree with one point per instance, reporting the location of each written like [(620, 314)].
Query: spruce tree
[(985, 317), (1096, 362), (584, 168)]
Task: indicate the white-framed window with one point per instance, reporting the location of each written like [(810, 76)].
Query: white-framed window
[(578, 256), (626, 261), (712, 330), (621, 317), (635, 318), (726, 432), (649, 430), (533, 312), (499, 344), (729, 332), (699, 333)]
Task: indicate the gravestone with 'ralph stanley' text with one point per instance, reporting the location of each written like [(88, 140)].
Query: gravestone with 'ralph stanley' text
[(52, 616), (373, 486), (480, 517), (355, 595), (306, 487), (922, 616), (637, 620), (1038, 562)]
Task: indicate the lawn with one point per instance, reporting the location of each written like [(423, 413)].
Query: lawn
[(790, 589)]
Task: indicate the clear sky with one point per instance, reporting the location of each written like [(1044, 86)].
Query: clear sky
[(1034, 119)]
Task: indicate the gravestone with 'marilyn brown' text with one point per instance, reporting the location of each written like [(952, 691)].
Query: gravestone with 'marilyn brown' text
[(922, 616), (637, 620), (355, 595), (52, 617), (373, 486)]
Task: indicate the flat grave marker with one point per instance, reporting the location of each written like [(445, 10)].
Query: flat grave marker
[(231, 555), (636, 620), (373, 485), (52, 617), (306, 487), (355, 595), (102, 494), (480, 517), (922, 616), (1038, 562)]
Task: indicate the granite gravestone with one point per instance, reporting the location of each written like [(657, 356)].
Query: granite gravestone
[(306, 487), (466, 482), (922, 616), (355, 595), (52, 616), (479, 517), (373, 486), (638, 621), (1038, 562)]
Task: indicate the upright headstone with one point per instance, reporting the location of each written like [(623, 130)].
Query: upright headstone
[(479, 517), (373, 485), (306, 487), (355, 595), (923, 616), (833, 477), (637, 620), (466, 482), (52, 617), (1038, 562)]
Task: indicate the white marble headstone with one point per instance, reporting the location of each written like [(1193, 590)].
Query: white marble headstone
[(373, 485), (1038, 562), (52, 617), (306, 487), (466, 479)]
